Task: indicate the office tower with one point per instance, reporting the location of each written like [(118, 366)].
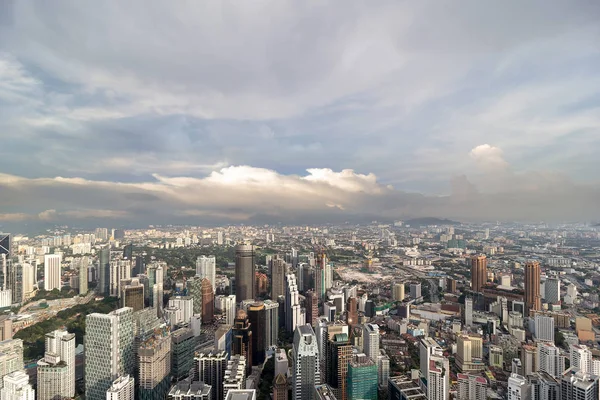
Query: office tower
[(518, 389), (451, 285), (132, 295), (478, 272), (471, 387), (182, 353), (468, 311), (11, 357), (544, 387), (544, 328), (338, 355), (262, 283), (52, 273), (383, 368), (122, 388), (244, 272), (258, 319), (109, 350), (101, 233), (224, 339), (581, 358), (496, 357), (438, 377), (235, 375), (242, 338), (280, 387), (578, 385), (154, 359), (208, 301), (427, 347), (206, 268), (312, 307), (20, 281), (398, 291), (552, 290), (415, 290), (550, 360), (210, 368), (226, 305), (320, 272), (220, 238), (15, 386), (119, 270), (533, 300), (4, 267), (306, 371), (529, 359), (469, 353), (278, 270), (83, 275), (194, 290), (403, 388), (186, 306), (293, 314), (352, 311), (5, 244), (190, 390), (56, 371), (128, 252), (6, 327), (371, 340), (362, 378), (271, 323), (104, 271)]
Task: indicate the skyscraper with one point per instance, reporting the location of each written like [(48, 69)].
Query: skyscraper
[(352, 311), (154, 359), (320, 278), (398, 291), (122, 388), (280, 387), (339, 354), (15, 386), (478, 272), (544, 327), (258, 320), (56, 371), (278, 269), (206, 268), (362, 378), (306, 370), (132, 295), (208, 301), (194, 289), (533, 300), (83, 275), (120, 270), (552, 292), (182, 352), (52, 272), (312, 307), (271, 323), (104, 271), (210, 368), (11, 357), (576, 385), (371, 340), (242, 338), (5, 244), (244, 272), (550, 359), (438, 377), (109, 350)]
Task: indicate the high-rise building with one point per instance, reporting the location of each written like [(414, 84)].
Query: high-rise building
[(182, 353), (83, 275), (352, 311), (438, 377), (306, 371), (194, 290), (186, 306), (280, 387), (518, 388), (241, 394), (15, 386), (206, 268), (468, 311), (550, 360), (544, 387), (242, 338), (132, 294), (52, 273), (235, 376), (210, 368), (469, 353), (552, 290), (339, 354), (312, 307), (244, 272), (109, 350), (471, 387), (224, 339), (122, 388), (271, 323), (5, 244), (320, 275), (293, 313), (427, 348), (581, 358), (544, 328), (398, 291), (104, 271), (262, 283), (415, 291), (120, 270), (403, 388), (451, 285), (226, 306), (362, 378), (278, 270), (190, 390), (578, 385), (154, 359), (258, 320), (6, 327), (371, 340), (56, 371), (208, 301), (533, 300), (11, 357), (478, 272)]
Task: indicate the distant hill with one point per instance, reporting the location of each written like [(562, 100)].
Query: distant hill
[(430, 221)]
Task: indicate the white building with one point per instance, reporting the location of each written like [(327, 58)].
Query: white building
[(241, 394), (11, 357), (121, 389), (16, 387), (438, 378), (210, 368), (186, 305), (544, 328), (109, 350), (471, 387), (550, 360), (306, 369), (206, 268), (577, 385), (226, 305), (371, 341), (5, 298), (518, 389), (56, 371), (581, 358), (293, 312), (52, 264), (119, 270)]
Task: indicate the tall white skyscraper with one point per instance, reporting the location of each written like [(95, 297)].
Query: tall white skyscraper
[(544, 328), (293, 311), (581, 358), (550, 359), (121, 389), (109, 350), (306, 369), (468, 311), (16, 387), (518, 389), (52, 271), (371, 341), (206, 268), (56, 371), (427, 347), (226, 305), (438, 377), (119, 270)]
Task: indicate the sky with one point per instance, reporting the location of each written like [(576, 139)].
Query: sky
[(299, 111)]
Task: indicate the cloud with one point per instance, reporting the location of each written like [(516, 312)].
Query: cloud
[(488, 156)]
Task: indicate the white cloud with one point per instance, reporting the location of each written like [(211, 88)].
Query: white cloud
[(489, 156)]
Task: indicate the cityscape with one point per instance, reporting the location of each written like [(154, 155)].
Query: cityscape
[(299, 200)]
